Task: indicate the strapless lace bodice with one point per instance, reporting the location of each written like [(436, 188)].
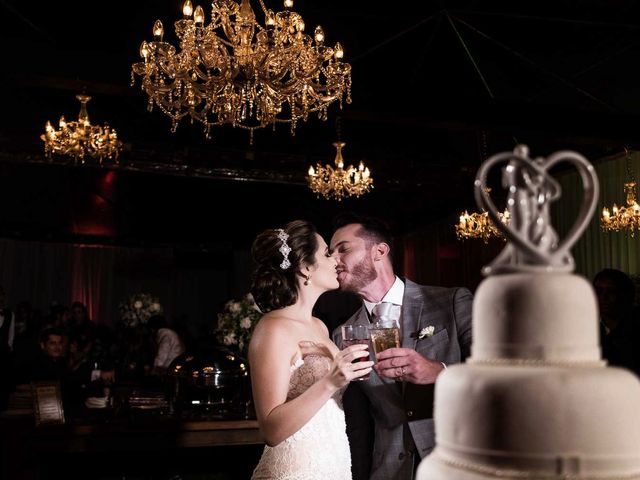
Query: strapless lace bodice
[(320, 449)]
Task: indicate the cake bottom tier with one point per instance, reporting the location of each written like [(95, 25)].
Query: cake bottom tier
[(526, 422)]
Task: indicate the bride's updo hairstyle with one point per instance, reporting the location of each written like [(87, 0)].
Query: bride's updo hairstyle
[(279, 254)]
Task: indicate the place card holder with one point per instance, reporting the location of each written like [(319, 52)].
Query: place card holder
[(47, 403)]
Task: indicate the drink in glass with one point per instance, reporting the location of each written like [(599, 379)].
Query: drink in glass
[(385, 333), (354, 335)]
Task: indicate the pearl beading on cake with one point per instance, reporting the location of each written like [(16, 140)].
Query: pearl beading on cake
[(550, 462), (534, 362)]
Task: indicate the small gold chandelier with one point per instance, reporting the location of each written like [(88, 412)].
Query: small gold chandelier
[(479, 225), (339, 182), (79, 139), (623, 218), (234, 71)]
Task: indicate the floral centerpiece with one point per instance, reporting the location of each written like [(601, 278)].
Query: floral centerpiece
[(138, 308), (236, 322)]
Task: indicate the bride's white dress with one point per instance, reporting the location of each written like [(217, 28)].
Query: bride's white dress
[(320, 449)]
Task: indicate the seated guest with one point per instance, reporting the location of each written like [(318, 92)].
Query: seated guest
[(86, 377), (51, 361), (59, 317), (132, 353), (79, 320), (28, 325), (167, 341)]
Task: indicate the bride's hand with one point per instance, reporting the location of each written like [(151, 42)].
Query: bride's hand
[(342, 370)]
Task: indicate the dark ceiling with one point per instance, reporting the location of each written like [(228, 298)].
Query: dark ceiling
[(437, 86)]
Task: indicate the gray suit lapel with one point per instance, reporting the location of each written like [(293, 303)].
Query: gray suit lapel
[(412, 306)]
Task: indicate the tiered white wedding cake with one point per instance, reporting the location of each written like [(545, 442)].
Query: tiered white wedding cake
[(535, 400)]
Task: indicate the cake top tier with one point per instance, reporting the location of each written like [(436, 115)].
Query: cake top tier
[(533, 245), (535, 319)]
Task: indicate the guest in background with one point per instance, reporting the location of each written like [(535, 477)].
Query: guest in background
[(7, 333), (51, 362), (77, 383), (79, 321), (26, 346), (132, 353), (390, 415), (28, 323), (59, 317), (103, 350), (181, 325), (80, 347), (168, 344), (619, 322), (7, 325), (23, 318)]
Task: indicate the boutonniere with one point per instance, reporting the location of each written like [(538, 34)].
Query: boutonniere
[(425, 332)]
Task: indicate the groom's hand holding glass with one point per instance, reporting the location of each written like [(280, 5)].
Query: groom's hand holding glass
[(385, 337), (403, 364)]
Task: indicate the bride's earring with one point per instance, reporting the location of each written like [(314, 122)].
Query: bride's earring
[(306, 279)]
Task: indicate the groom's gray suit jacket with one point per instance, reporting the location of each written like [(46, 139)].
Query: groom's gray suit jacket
[(389, 422)]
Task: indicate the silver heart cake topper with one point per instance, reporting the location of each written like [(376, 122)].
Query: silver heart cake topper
[(533, 243)]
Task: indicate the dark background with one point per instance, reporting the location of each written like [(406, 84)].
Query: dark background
[(437, 87)]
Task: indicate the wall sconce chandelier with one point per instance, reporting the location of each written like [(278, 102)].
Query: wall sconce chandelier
[(79, 139), (625, 217), (338, 182), (479, 225), (234, 71)]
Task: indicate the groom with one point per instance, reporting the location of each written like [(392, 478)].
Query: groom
[(390, 416)]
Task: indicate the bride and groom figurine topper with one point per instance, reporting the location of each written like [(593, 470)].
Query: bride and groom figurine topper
[(534, 245)]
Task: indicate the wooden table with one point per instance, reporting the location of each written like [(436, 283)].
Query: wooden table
[(128, 448), (149, 435)]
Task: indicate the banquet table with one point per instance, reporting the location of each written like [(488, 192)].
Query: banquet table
[(153, 446)]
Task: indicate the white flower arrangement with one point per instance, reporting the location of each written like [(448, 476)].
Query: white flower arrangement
[(237, 321), (138, 308)]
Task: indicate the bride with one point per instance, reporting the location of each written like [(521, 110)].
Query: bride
[(297, 373)]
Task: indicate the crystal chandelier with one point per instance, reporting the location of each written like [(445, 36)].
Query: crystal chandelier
[(479, 225), (80, 139), (338, 182), (623, 218), (234, 71)]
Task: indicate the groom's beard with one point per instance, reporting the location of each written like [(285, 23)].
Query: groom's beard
[(358, 277)]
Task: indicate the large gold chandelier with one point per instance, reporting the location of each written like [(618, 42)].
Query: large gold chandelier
[(79, 139), (234, 71), (338, 182)]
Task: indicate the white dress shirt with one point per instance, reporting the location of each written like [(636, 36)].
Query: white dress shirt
[(12, 328), (394, 295), (169, 347)]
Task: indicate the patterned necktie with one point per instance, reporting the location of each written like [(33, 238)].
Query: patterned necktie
[(386, 310)]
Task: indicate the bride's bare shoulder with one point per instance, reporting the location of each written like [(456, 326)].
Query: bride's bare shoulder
[(273, 337), (272, 327)]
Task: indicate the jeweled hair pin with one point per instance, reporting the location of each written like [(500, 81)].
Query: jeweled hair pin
[(284, 249)]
